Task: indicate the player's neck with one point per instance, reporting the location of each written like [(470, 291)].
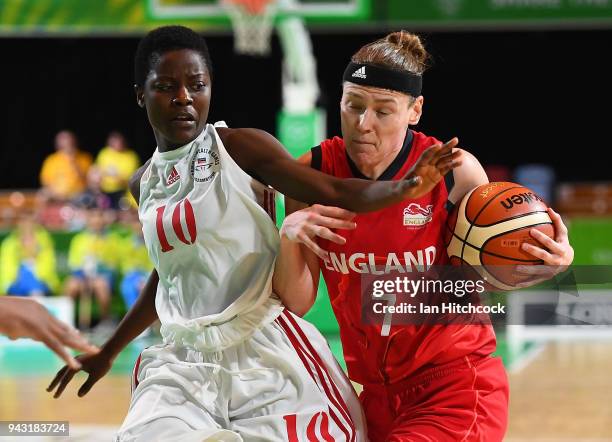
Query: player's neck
[(373, 165)]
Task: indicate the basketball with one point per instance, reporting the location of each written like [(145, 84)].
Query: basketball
[(486, 230)]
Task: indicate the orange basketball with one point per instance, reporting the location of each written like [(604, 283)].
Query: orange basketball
[(486, 230)]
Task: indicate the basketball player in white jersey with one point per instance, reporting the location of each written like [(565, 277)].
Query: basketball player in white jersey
[(235, 365)]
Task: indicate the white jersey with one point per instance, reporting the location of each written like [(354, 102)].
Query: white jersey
[(236, 366), (208, 230)]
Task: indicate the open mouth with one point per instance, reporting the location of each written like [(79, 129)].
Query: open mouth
[(184, 118)]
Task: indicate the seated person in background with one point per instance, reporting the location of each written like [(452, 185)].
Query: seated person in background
[(27, 258), (135, 264), (64, 173), (113, 168), (92, 258)]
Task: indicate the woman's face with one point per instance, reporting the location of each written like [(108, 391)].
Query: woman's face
[(374, 121), (176, 95)]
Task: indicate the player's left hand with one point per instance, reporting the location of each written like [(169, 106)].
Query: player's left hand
[(317, 221), (556, 253), (435, 162), (95, 364)]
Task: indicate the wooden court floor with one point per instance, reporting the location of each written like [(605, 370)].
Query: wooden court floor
[(563, 394)]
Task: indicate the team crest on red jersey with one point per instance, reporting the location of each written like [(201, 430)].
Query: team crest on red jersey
[(416, 216)]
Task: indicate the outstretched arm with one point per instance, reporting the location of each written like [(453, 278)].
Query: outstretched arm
[(141, 315), (258, 152)]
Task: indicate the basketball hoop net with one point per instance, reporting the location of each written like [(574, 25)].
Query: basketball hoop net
[(252, 21)]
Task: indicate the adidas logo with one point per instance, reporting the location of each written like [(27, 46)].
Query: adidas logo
[(173, 177), (360, 73)]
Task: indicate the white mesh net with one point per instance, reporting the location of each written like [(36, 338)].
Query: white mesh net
[(252, 21)]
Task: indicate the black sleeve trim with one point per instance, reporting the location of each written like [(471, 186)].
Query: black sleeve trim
[(449, 179), (317, 158)]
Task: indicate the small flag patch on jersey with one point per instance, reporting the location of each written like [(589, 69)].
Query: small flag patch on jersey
[(173, 177), (360, 73), (201, 164)]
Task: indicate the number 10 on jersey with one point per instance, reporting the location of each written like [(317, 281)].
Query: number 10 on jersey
[(177, 226)]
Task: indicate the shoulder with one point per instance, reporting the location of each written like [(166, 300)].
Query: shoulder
[(114, 237), (314, 157), (129, 157), (332, 143), (252, 148), (102, 156), (306, 158), (43, 234), (328, 155), (244, 136), (469, 161), (470, 168), (85, 156), (52, 158), (79, 238), (9, 239), (134, 183), (422, 141), (468, 175)]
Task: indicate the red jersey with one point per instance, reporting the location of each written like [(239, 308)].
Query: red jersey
[(409, 233)]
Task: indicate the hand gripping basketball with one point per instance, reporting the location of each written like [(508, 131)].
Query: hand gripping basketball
[(508, 235)]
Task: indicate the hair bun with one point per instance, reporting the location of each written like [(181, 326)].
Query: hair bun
[(410, 44), (400, 50)]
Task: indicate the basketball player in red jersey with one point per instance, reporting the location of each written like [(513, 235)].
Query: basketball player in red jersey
[(420, 383)]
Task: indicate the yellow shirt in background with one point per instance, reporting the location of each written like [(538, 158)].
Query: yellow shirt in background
[(12, 255), (135, 256), (116, 167), (60, 174), (103, 249)]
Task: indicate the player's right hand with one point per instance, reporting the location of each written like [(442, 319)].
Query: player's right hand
[(96, 364), (304, 226), (27, 318)]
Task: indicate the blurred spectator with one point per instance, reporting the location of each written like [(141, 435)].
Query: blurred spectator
[(92, 257), (27, 258), (113, 168), (135, 263), (64, 172), (498, 172), (538, 177)]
